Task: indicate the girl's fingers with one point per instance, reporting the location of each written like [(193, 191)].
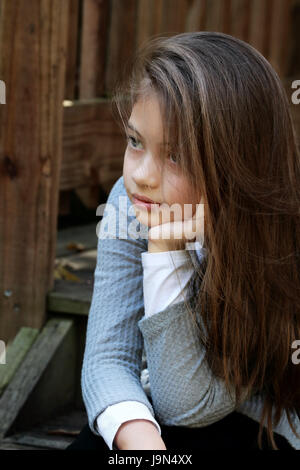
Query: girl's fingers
[(170, 231), (190, 229)]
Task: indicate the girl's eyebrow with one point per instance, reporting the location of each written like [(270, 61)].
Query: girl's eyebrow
[(131, 126)]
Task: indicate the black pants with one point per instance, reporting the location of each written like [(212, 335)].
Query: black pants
[(235, 431)]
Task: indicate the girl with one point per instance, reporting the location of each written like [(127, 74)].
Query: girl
[(208, 124)]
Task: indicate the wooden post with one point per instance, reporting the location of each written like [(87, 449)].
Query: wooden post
[(33, 37)]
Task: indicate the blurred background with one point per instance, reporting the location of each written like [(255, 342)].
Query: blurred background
[(61, 151)]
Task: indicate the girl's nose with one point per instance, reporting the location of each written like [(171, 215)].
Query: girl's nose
[(147, 174)]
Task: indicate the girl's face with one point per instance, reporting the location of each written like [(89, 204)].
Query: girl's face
[(142, 168)]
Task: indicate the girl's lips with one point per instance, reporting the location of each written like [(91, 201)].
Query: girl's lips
[(144, 204), (143, 198)]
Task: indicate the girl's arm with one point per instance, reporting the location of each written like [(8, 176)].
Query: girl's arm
[(113, 350), (183, 389)]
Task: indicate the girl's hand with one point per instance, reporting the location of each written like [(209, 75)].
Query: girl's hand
[(175, 235)]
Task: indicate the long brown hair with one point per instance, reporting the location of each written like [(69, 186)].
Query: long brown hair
[(227, 114)]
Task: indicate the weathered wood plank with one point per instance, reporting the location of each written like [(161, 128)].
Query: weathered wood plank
[(15, 354), (148, 20), (95, 23), (49, 433), (93, 145), (259, 32), (280, 26), (8, 445), (293, 65), (213, 20), (34, 365), (36, 441), (174, 14), (240, 22), (121, 40), (72, 50), (32, 64), (70, 297), (195, 18)]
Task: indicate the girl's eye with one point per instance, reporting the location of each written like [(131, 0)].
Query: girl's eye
[(132, 142), (131, 139), (173, 159)]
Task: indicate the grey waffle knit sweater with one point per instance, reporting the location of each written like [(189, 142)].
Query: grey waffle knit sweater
[(183, 390)]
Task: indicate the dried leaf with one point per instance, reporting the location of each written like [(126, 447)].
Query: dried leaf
[(75, 246)]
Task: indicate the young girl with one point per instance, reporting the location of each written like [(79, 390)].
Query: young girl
[(207, 121)]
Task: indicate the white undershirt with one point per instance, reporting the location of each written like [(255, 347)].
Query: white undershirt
[(162, 287)]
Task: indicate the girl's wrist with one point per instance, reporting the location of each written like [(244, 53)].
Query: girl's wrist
[(156, 246)]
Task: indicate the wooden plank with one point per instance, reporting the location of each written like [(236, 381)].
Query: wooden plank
[(226, 16), (71, 91), (36, 441), (34, 365), (196, 14), (15, 354), (148, 20), (8, 445), (95, 23), (93, 145), (213, 20), (70, 297), (259, 33), (121, 40), (32, 64), (49, 434), (279, 35), (174, 14), (165, 17), (293, 59), (240, 22)]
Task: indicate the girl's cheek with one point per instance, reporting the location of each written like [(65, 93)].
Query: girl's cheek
[(127, 168), (129, 165)]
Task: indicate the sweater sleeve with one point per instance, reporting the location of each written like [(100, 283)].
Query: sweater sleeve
[(184, 391), (112, 358)]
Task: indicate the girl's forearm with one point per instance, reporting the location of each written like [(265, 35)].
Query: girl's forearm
[(138, 434)]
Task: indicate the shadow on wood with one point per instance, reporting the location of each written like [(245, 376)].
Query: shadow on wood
[(45, 382)]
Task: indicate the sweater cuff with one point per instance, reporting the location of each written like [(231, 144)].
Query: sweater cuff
[(165, 279)]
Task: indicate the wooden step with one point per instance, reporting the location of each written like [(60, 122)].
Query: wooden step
[(55, 434), (15, 353), (46, 379), (70, 297), (75, 263)]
